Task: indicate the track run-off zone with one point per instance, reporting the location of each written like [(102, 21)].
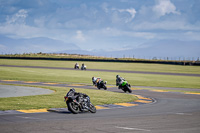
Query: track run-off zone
[(141, 99)]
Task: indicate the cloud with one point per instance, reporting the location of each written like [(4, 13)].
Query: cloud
[(131, 11), (113, 32), (18, 17), (40, 22), (2, 46), (118, 15), (166, 25), (20, 31), (104, 6), (164, 7), (190, 35), (15, 26), (122, 15), (80, 36)]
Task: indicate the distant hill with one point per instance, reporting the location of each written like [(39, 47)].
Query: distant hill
[(159, 49), (169, 48), (33, 45)]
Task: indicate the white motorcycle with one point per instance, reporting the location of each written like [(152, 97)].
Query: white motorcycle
[(83, 67)]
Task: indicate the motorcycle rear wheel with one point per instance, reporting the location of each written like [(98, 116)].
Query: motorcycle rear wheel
[(73, 107)]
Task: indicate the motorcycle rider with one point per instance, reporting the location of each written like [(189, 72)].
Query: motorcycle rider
[(99, 83), (96, 81), (76, 65), (83, 66), (119, 81), (86, 102)]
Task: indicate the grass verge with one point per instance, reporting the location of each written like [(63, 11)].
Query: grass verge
[(106, 65), (56, 99), (72, 76)]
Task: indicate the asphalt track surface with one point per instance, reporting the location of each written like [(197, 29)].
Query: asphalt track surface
[(171, 113), (17, 91)]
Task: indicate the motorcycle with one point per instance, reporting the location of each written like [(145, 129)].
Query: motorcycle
[(76, 67), (77, 102), (101, 84), (83, 67), (125, 86)]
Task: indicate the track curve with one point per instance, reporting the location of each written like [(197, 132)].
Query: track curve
[(172, 112)]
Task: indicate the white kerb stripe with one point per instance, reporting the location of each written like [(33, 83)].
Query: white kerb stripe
[(129, 128)]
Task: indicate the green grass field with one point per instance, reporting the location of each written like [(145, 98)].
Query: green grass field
[(107, 65), (67, 76)]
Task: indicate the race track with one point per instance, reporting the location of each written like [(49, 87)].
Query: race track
[(172, 112)]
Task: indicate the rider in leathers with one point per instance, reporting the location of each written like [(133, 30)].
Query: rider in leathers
[(76, 66), (119, 81), (96, 81), (81, 95)]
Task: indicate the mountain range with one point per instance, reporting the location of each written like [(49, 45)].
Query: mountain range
[(157, 49), (33, 45)]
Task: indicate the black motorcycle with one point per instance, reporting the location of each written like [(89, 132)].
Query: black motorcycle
[(78, 102), (101, 84)]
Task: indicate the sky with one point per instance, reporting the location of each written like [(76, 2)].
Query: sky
[(110, 25)]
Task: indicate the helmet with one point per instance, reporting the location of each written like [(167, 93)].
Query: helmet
[(92, 78), (72, 89), (117, 76)]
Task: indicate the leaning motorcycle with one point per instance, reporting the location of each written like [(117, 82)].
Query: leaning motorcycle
[(101, 84), (76, 67), (83, 67), (125, 86), (78, 103)]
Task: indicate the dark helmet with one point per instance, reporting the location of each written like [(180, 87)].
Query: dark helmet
[(72, 89), (92, 78), (117, 76)]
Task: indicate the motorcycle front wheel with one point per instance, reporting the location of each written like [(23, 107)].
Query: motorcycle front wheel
[(128, 89), (73, 107), (92, 108), (105, 88)]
